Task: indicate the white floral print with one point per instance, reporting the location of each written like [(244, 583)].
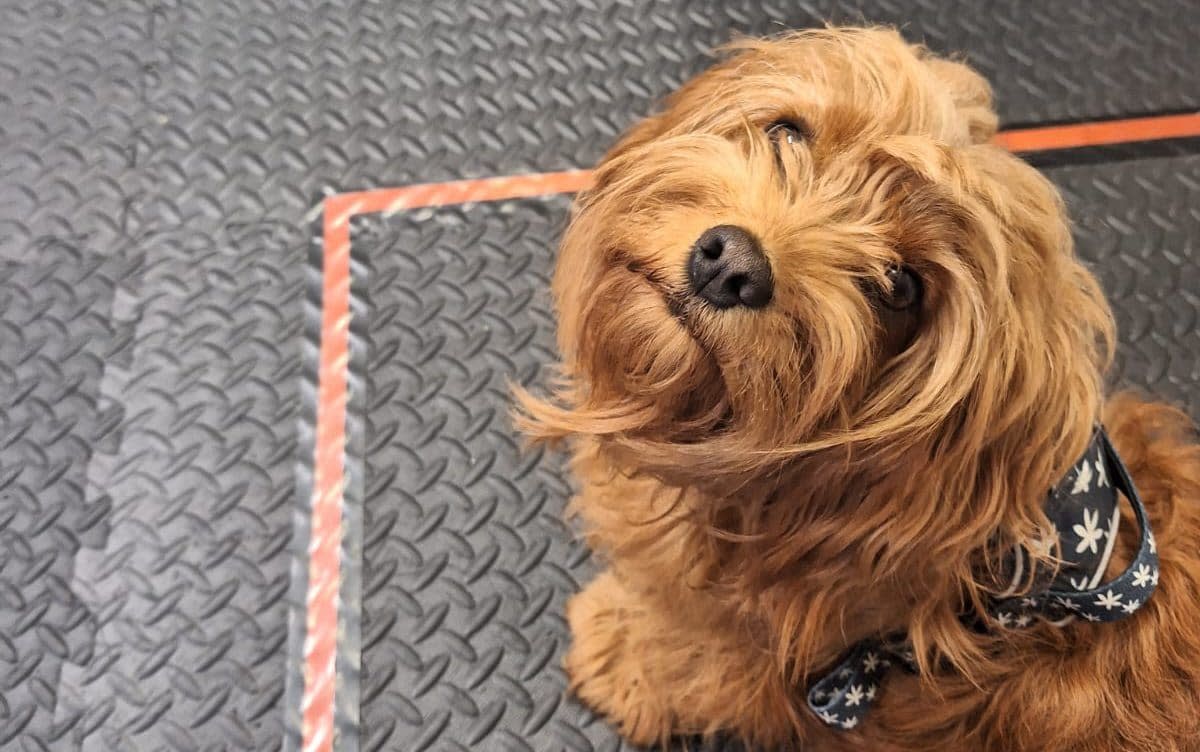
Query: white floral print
[(1089, 534)]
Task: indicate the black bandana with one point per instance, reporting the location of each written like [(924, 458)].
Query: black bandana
[(1085, 511)]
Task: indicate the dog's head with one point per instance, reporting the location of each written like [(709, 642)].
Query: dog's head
[(814, 252)]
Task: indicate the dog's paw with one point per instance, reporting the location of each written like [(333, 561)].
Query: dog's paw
[(603, 667)]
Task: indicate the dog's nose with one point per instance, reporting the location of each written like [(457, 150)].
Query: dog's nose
[(728, 268)]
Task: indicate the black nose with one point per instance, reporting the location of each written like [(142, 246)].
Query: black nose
[(728, 268)]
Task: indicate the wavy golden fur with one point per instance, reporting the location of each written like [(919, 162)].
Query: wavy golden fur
[(767, 487)]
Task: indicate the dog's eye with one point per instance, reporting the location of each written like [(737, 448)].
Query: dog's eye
[(788, 132), (906, 288)]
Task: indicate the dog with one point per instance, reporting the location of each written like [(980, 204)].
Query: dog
[(826, 350)]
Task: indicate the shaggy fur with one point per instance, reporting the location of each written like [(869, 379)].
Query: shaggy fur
[(768, 487)]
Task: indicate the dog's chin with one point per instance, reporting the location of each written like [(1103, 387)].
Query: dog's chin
[(695, 406)]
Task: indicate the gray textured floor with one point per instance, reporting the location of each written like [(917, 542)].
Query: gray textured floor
[(157, 162)]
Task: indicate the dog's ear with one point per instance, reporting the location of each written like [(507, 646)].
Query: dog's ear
[(1047, 332), (971, 94)]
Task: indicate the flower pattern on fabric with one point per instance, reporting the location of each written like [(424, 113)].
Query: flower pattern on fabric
[(1091, 516), (1083, 478), (843, 696), (1089, 534), (1101, 470), (1089, 496)]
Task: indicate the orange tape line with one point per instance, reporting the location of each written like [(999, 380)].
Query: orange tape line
[(324, 547), (391, 200), (1155, 128)]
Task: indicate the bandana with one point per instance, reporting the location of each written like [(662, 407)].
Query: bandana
[(1085, 511)]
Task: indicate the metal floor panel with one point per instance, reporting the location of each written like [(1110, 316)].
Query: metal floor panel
[(1138, 224), (158, 163), (147, 437), (60, 331), (71, 121), (467, 561), (188, 585)]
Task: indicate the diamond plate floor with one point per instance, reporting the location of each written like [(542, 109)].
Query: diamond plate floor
[(158, 162)]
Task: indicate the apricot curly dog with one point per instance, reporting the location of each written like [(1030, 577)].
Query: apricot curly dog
[(832, 378)]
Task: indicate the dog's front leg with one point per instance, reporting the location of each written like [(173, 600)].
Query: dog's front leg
[(659, 667)]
